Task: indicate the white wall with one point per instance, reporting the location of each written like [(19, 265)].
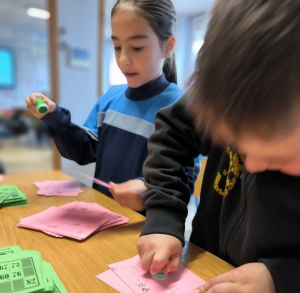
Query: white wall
[(183, 34), (77, 86), (30, 46)]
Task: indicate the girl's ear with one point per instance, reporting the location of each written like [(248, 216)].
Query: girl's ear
[(169, 48)]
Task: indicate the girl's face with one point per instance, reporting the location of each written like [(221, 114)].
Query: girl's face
[(137, 49)]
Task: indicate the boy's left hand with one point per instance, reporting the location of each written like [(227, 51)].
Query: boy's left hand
[(249, 278), (128, 194)]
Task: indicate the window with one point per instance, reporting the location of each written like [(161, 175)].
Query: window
[(115, 74)]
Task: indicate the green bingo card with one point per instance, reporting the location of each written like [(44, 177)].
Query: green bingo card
[(21, 272), (24, 271), (11, 196), (5, 251)]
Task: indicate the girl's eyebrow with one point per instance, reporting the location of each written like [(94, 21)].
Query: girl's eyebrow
[(131, 37)]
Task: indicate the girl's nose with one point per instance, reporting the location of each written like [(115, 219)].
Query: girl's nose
[(125, 58)]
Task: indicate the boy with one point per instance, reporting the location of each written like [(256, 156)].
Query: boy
[(242, 111)]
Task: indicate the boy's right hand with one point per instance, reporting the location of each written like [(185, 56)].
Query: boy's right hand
[(31, 102), (159, 252)]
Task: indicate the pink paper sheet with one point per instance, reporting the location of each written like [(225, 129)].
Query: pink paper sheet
[(76, 220), (130, 272), (110, 278), (59, 188)]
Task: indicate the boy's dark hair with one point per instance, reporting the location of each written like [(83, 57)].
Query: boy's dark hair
[(161, 16), (247, 73)]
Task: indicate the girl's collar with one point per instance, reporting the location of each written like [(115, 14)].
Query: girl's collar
[(147, 90)]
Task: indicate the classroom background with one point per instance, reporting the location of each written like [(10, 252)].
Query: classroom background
[(68, 57)]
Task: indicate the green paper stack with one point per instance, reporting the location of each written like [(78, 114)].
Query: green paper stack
[(11, 196), (24, 271)]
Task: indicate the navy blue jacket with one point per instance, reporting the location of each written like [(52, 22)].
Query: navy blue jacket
[(116, 131), (242, 217)]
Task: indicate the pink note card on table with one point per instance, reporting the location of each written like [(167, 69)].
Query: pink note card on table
[(76, 220), (139, 281), (59, 188), (111, 279)]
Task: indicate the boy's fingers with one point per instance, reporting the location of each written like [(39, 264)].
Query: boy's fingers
[(220, 288), (160, 260), (146, 261), (173, 264)]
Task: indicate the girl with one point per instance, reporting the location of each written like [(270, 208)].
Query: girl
[(115, 133)]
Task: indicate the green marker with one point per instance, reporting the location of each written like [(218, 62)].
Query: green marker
[(41, 106), (159, 276)]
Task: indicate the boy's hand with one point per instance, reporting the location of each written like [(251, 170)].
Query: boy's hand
[(249, 278), (128, 194), (159, 252), (31, 102)]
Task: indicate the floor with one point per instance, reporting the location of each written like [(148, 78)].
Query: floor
[(23, 154)]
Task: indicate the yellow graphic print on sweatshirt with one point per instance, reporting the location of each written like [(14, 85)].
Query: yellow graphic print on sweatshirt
[(231, 175)]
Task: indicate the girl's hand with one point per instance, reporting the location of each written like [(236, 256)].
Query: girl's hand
[(128, 194), (249, 278), (159, 252), (31, 102)]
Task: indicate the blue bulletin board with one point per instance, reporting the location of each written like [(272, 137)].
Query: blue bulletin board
[(7, 68)]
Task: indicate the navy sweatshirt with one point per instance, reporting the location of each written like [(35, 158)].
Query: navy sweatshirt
[(116, 131), (242, 217)]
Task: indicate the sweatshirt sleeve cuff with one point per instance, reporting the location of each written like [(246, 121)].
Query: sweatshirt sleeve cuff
[(57, 118), (164, 221), (285, 273)]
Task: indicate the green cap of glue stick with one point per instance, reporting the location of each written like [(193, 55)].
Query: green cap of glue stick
[(159, 276), (41, 106)]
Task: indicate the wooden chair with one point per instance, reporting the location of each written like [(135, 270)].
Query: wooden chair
[(198, 182)]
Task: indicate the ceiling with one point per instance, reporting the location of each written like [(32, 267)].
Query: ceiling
[(183, 7), (14, 11)]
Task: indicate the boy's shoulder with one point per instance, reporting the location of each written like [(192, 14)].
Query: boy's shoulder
[(171, 94), (115, 90), (173, 87)]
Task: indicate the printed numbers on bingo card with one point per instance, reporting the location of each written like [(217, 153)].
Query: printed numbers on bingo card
[(3, 267)]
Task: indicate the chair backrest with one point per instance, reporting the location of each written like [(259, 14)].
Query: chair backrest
[(198, 182)]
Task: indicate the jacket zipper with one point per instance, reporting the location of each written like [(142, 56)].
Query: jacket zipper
[(240, 219)]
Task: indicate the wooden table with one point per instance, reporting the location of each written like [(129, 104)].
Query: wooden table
[(78, 262)]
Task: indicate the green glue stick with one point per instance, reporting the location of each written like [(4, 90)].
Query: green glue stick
[(41, 106), (159, 276)]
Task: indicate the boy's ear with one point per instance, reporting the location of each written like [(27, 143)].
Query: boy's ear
[(169, 48)]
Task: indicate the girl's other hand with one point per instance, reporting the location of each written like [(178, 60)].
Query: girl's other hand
[(128, 194)]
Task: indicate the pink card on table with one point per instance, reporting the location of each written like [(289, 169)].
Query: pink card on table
[(76, 220), (130, 272), (59, 188), (110, 278)]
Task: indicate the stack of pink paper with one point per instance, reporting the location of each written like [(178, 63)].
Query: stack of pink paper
[(58, 188), (75, 220), (128, 277)]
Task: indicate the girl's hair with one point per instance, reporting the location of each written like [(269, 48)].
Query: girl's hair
[(161, 16)]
